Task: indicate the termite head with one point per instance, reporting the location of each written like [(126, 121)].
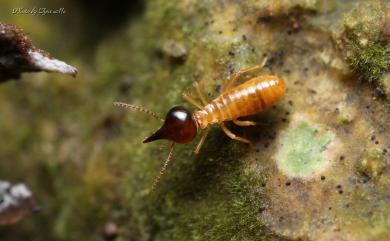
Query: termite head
[(179, 126)]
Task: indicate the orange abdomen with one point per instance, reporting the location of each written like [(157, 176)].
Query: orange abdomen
[(255, 95)]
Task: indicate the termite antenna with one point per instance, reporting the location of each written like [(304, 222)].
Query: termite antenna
[(164, 167), (139, 109)]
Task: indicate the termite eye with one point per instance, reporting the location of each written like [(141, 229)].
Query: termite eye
[(179, 126)]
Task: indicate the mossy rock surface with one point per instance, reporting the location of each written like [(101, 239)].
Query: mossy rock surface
[(318, 168)]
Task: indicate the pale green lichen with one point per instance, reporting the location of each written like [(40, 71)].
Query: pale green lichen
[(302, 150), (366, 20)]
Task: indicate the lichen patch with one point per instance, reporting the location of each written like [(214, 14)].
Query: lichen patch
[(303, 149)]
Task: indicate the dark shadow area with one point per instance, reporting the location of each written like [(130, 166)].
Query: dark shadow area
[(102, 18)]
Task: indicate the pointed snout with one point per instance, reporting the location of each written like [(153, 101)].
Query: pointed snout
[(155, 136)]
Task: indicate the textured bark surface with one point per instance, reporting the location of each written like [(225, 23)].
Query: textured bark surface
[(18, 55)]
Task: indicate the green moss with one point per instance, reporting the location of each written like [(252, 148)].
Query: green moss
[(367, 53), (370, 60), (213, 197), (302, 150)]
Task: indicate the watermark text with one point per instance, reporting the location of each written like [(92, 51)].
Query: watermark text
[(38, 11)]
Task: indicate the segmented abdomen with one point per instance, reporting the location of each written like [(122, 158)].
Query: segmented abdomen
[(255, 95)]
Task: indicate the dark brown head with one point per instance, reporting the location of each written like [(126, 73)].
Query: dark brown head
[(179, 126)]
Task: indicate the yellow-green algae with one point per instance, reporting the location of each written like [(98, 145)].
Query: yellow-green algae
[(371, 164), (86, 163)]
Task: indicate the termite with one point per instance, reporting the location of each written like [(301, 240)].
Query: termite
[(181, 125)]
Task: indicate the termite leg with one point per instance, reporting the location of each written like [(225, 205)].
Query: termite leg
[(191, 99), (201, 96), (235, 76), (232, 135), (200, 143), (243, 71), (244, 123)]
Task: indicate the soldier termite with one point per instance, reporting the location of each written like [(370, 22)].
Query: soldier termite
[(181, 125)]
